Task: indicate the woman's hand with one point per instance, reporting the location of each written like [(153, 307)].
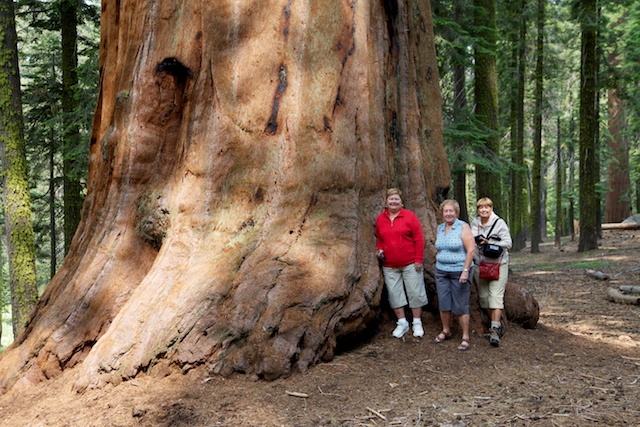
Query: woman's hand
[(464, 277), (418, 267)]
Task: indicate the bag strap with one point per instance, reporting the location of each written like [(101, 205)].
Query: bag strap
[(491, 229)]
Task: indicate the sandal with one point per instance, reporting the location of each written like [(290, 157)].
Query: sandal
[(442, 336), (464, 345)]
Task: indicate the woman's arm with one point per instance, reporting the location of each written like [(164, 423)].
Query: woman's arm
[(470, 247)]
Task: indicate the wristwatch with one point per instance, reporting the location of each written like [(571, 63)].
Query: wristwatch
[(465, 269)]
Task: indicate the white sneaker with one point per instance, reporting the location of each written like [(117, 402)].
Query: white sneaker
[(401, 329), (418, 330)]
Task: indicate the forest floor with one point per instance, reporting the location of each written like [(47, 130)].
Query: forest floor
[(579, 367)]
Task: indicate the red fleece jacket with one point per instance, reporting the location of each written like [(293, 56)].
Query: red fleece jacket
[(401, 240)]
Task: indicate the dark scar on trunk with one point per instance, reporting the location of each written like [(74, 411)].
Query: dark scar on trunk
[(272, 124), (175, 68)]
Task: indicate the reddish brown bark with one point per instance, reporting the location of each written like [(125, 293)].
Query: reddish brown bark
[(618, 202), (239, 155)]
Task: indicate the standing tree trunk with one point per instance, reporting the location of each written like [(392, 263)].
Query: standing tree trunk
[(459, 171), (519, 194), (72, 188), (588, 129), (571, 173), (618, 201), (559, 181), (537, 205), (17, 202), (486, 96), (239, 156)]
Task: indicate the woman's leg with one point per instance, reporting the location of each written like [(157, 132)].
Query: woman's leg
[(445, 318)]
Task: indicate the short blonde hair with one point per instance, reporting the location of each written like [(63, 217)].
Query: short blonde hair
[(485, 201), (455, 204), (392, 191)]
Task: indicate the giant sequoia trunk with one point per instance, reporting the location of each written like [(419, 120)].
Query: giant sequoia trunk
[(240, 153)]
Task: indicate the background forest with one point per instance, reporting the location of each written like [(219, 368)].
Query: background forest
[(516, 80)]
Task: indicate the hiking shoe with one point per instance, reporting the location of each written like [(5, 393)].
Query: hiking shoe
[(494, 337), (500, 333), (401, 329), (418, 330)]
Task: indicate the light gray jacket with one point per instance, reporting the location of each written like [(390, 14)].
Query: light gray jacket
[(501, 230)]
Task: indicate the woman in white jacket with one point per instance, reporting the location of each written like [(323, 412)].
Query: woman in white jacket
[(489, 228)]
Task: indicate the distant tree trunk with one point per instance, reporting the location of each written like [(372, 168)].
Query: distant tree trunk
[(486, 97), (618, 201), (71, 171), (240, 154), (559, 181), (519, 193), (53, 244), (588, 128), (459, 110), (571, 154), (536, 169), (17, 202)]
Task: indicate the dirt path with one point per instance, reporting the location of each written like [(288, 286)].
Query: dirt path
[(580, 367)]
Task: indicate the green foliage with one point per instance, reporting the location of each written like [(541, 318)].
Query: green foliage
[(457, 40), (40, 62)]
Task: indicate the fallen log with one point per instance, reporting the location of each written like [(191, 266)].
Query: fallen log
[(597, 274), (625, 272), (616, 295), (621, 226), (630, 289)]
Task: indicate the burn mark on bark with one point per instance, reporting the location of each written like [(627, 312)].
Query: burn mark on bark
[(259, 195), (350, 52), (394, 130), (337, 102), (286, 12), (353, 35), (272, 124), (441, 194), (247, 224), (175, 68), (327, 124), (391, 11)]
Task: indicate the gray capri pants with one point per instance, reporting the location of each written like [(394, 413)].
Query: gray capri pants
[(399, 280), (452, 295)]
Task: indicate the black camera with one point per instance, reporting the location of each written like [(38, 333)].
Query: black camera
[(479, 239)]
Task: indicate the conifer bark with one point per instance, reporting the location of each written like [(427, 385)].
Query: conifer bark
[(17, 202), (588, 128), (486, 97)]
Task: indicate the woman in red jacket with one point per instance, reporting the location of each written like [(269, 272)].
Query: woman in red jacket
[(400, 245)]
